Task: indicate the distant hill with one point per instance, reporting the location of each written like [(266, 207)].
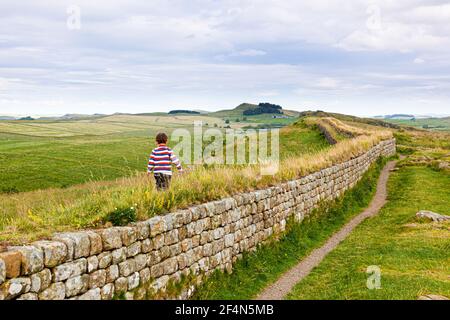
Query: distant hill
[(399, 116), (7, 118), (247, 109), (183, 111), (26, 118), (344, 117), (263, 108)]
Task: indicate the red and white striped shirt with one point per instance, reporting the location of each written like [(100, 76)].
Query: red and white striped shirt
[(161, 160)]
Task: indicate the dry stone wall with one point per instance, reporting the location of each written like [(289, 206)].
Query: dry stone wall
[(97, 264)]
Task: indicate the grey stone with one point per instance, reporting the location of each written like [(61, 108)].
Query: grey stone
[(158, 241), (144, 275), (111, 238), (157, 270), (96, 242), (107, 292), (93, 294), (77, 285), (55, 252), (70, 245), (40, 280), (157, 226), (160, 283), (142, 230), (112, 273), (141, 261), (147, 246), (133, 281), (170, 265), (97, 279), (436, 217), (127, 267), (82, 244), (32, 259), (134, 249), (128, 235), (2, 271), (104, 260), (92, 264), (119, 255), (171, 237), (28, 296), (153, 258), (69, 269), (56, 291)]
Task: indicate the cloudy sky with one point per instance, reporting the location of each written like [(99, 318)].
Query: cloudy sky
[(355, 56)]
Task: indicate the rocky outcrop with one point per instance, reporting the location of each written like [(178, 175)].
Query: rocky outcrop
[(436, 217), (98, 264)]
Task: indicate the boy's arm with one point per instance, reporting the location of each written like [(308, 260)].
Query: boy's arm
[(175, 161), (151, 163)]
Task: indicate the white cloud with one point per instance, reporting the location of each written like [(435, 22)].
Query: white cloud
[(137, 55), (249, 53)]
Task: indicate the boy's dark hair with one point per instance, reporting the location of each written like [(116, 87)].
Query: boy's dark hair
[(161, 137)]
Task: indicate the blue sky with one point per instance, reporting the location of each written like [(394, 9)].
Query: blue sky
[(357, 56)]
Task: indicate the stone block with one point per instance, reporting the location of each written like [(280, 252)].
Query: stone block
[(92, 264), (69, 270), (127, 267), (107, 292), (77, 285), (119, 255), (40, 280), (133, 281), (97, 279), (134, 249), (11, 262), (111, 238), (82, 244), (104, 260), (112, 273), (32, 259), (93, 294), (128, 235), (96, 242), (56, 291), (157, 226), (55, 252)]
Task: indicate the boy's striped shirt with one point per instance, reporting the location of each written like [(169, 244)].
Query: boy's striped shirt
[(161, 160)]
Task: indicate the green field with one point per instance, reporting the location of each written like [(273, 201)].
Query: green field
[(437, 124), (44, 154), (54, 154), (414, 255)]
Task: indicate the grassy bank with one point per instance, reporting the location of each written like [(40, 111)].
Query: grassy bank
[(37, 214), (414, 255), (31, 161), (257, 270)]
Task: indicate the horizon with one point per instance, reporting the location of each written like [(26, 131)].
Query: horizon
[(364, 58), (41, 115)]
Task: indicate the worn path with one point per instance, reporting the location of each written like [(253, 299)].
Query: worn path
[(288, 280)]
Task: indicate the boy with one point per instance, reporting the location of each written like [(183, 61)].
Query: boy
[(161, 161)]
